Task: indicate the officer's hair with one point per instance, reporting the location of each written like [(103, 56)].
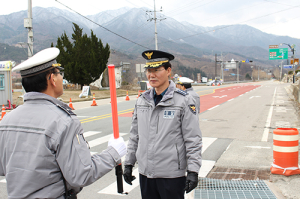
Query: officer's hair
[(167, 65), (37, 83), (187, 85)]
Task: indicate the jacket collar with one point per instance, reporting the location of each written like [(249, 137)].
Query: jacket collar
[(31, 96), (189, 89), (149, 94)]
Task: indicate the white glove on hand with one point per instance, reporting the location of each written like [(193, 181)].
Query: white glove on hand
[(119, 145)]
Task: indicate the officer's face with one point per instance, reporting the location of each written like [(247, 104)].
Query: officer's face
[(59, 83), (158, 77)]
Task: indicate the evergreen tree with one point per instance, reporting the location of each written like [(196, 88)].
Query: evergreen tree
[(247, 77), (84, 59)]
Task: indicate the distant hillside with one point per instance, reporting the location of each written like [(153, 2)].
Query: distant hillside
[(188, 42), (12, 53)]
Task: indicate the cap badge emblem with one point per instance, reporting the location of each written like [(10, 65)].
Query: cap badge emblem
[(149, 55)]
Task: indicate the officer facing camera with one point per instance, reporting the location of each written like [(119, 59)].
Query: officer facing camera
[(43, 153), (165, 138), (185, 84)]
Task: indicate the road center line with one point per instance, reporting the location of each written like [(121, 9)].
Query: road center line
[(268, 122)]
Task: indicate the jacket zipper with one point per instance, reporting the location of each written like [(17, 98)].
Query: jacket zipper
[(157, 124), (178, 156)]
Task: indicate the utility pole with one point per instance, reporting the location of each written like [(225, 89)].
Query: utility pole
[(281, 71), (155, 19), (222, 67), (237, 71), (215, 66), (28, 25), (258, 73)]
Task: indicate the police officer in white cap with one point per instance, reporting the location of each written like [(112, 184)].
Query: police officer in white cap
[(165, 138), (43, 153), (185, 84)]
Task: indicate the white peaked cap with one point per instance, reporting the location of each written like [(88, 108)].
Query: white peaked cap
[(184, 80), (41, 61)]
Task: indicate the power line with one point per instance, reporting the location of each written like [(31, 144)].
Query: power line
[(233, 24), (194, 7), (103, 26), (183, 6)]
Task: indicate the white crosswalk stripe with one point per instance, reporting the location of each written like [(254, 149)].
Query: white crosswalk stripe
[(206, 167), (91, 133), (102, 140)]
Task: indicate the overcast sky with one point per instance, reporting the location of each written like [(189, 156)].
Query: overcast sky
[(272, 16)]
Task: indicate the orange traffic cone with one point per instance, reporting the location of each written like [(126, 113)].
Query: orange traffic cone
[(94, 101), (71, 105), (3, 112), (127, 97)]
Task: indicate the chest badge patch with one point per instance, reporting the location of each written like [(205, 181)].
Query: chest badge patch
[(193, 108), (169, 114)]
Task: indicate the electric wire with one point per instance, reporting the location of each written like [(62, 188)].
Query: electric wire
[(102, 26), (239, 9), (226, 26), (180, 7), (194, 7)]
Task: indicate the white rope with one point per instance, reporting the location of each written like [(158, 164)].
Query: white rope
[(284, 169)]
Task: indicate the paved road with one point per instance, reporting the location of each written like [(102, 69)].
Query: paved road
[(236, 121)]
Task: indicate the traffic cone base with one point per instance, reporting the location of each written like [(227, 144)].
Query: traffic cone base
[(285, 171), (94, 102), (127, 97), (71, 105)]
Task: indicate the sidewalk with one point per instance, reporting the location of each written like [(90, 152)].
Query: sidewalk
[(86, 104), (287, 186)]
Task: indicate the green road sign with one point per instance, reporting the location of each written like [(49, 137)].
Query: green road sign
[(278, 53)]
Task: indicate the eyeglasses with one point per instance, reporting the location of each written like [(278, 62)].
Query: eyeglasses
[(60, 72), (154, 71)]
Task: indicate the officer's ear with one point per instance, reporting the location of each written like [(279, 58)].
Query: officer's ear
[(52, 80), (169, 70)]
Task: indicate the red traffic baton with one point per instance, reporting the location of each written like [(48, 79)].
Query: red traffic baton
[(114, 112)]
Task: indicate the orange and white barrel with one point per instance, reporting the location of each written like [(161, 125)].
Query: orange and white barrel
[(285, 151)]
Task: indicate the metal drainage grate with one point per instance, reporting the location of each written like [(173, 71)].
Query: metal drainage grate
[(232, 189)]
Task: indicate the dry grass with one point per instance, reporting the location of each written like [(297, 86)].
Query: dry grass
[(74, 95)]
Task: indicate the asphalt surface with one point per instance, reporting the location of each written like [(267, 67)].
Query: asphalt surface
[(237, 122)]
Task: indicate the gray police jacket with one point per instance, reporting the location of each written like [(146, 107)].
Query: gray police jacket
[(165, 139), (41, 140), (191, 92)]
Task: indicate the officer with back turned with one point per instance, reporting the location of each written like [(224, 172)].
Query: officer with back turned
[(165, 138), (185, 84), (43, 153)]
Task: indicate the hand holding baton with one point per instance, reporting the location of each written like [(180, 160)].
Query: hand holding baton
[(114, 109)]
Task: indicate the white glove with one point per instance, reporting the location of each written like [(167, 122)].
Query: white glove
[(119, 145)]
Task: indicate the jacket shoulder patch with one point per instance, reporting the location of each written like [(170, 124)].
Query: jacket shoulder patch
[(192, 108), (69, 112), (181, 92)]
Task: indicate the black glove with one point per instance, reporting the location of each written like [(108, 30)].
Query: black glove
[(191, 181), (128, 177)]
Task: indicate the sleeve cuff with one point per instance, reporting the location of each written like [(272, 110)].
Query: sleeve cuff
[(114, 154)]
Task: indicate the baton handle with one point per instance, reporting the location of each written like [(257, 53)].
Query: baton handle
[(119, 174)]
